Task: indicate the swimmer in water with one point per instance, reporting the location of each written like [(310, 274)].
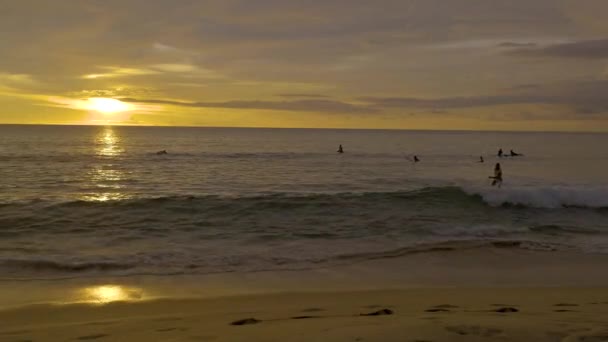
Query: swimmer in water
[(340, 149), (481, 159), (497, 179), (416, 159), (513, 154)]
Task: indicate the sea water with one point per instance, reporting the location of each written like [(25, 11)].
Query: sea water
[(92, 200)]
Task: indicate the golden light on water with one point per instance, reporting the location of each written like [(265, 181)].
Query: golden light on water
[(108, 143), (106, 176), (104, 294)]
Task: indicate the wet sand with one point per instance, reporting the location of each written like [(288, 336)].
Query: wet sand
[(456, 314), (494, 295)]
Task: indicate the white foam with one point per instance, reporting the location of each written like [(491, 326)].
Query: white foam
[(544, 197)]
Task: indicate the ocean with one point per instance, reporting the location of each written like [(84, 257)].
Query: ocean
[(81, 201)]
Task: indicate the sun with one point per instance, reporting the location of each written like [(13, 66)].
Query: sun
[(107, 105)]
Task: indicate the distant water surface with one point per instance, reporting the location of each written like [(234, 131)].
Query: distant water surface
[(83, 200)]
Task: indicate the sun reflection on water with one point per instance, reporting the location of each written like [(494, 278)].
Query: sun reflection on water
[(106, 177), (108, 143), (104, 294)]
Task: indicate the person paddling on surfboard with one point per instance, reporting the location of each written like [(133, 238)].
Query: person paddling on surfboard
[(416, 159), (497, 179), (513, 154), (340, 149)]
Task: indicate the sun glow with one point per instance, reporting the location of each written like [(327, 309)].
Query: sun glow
[(107, 105), (111, 293)]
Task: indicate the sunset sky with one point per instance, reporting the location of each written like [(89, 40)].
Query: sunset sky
[(411, 64)]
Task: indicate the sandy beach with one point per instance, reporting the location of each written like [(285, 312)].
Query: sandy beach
[(498, 298), (515, 314)]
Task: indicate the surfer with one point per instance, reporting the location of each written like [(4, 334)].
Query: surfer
[(500, 153), (162, 152), (340, 149), (497, 178), (481, 159), (513, 154), (416, 159)]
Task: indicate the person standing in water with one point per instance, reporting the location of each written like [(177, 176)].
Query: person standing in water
[(340, 149), (481, 159), (416, 159), (500, 153), (497, 179)]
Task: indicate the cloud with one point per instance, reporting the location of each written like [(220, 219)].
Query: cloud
[(186, 69), (308, 55), (174, 67), (123, 91), (154, 69), (584, 49), (585, 97), (120, 72), (288, 95), (457, 102), (16, 78), (312, 105), (517, 45)]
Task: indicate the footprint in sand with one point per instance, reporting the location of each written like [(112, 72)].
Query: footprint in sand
[(473, 330), (565, 304), (246, 321), (171, 329), (304, 317), (92, 337), (382, 312), (441, 308)]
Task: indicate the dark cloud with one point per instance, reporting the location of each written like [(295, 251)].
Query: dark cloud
[(289, 95), (585, 49), (324, 106), (457, 102), (584, 97), (517, 45)]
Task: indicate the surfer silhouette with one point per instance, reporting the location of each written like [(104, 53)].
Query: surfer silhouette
[(481, 159), (500, 153), (497, 178), (340, 149), (513, 154), (416, 159)]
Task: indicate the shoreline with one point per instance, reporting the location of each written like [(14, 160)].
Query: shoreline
[(475, 295), (476, 268)]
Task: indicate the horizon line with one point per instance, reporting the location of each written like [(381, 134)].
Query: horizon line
[(303, 128)]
